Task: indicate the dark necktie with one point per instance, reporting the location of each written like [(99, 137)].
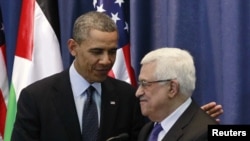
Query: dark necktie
[(90, 117), (154, 133)]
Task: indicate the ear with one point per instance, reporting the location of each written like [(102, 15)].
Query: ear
[(72, 46), (174, 88)]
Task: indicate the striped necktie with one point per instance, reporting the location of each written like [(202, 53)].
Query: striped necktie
[(90, 117), (154, 133)]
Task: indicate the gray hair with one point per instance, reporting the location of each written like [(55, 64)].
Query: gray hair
[(92, 20), (173, 63)]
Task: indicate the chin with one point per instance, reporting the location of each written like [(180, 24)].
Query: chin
[(101, 78), (144, 111)]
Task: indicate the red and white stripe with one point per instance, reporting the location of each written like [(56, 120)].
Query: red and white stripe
[(4, 90)]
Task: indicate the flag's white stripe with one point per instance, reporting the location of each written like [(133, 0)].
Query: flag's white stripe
[(3, 78), (47, 48), (46, 57), (119, 68)]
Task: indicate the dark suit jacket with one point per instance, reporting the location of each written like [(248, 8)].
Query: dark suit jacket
[(46, 111), (191, 126)]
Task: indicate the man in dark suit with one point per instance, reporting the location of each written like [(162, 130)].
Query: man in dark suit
[(51, 109), (167, 81)]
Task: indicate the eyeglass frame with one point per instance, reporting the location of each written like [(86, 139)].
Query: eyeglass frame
[(144, 83)]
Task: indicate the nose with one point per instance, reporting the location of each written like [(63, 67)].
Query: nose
[(139, 91), (106, 59)]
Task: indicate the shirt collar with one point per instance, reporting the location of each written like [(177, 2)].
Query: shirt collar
[(168, 122), (79, 84)]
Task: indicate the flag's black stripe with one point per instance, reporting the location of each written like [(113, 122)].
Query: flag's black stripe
[(50, 10), (2, 37)]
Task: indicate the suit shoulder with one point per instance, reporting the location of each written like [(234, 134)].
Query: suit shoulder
[(49, 80), (119, 83), (203, 115)]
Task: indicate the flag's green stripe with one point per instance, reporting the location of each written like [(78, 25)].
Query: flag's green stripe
[(11, 114)]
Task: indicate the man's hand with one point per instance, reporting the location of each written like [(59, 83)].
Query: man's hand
[(213, 110)]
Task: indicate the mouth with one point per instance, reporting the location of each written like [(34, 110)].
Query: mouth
[(103, 71), (142, 100)]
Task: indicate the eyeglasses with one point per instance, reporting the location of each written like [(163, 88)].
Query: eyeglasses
[(144, 83)]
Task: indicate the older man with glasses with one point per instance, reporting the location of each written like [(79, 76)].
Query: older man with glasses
[(166, 84)]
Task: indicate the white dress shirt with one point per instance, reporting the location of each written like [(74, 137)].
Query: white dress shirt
[(169, 121), (79, 86)]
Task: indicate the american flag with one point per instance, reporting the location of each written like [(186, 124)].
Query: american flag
[(122, 68), (3, 80)]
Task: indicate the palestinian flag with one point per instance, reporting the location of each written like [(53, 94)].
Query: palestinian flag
[(37, 54)]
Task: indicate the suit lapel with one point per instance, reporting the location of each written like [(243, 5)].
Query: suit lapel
[(146, 131), (65, 106), (177, 129), (110, 103)]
